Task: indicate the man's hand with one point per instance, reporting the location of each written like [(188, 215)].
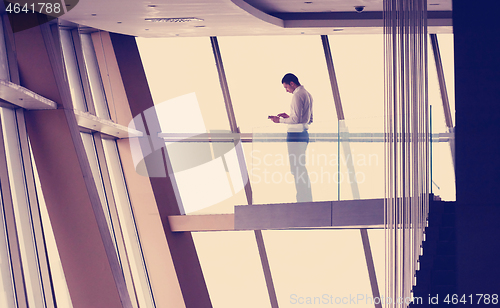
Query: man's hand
[(275, 119), (283, 115)]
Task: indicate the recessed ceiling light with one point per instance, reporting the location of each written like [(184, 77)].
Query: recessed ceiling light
[(94, 14), (308, 2), (118, 22), (151, 5), (175, 20)]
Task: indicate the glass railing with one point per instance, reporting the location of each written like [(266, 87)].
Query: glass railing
[(361, 154), (208, 171), (442, 157), (342, 163), (442, 174), (343, 160)]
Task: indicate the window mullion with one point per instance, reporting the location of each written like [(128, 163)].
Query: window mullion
[(13, 251)]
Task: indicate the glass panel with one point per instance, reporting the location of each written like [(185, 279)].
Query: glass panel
[(232, 269), (377, 246), (72, 70), (361, 159), (7, 298), (88, 142), (27, 244), (127, 224), (94, 76), (359, 66), (325, 160), (359, 69), (184, 83), (443, 171), (255, 66), (178, 66), (208, 176), (4, 64), (447, 58), (109, 212), (204, 164), (317, 267), (272, 160)]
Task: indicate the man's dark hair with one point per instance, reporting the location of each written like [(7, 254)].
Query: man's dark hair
[(289, 78)]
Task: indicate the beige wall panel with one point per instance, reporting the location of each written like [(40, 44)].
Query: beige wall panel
[(181, 245), (116, 96)]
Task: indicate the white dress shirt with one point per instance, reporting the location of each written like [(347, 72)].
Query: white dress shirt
[(301, 114)]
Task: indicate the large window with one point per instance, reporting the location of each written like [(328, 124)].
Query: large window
[(303, 263), (73, 69), (232, 269), (180, 66), (104, 160), (26, 213), (443, 171), (184, 83), (24, 271), (106, 168), (254, 68)]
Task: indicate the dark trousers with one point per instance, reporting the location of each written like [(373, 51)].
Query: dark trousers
[(297, 146)]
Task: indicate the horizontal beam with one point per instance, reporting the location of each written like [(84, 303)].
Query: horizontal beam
[(281, 137), (204, 137), (93, 123), (218, 222), (348, 214), (353, 19), (283, 216), (21, 97), (367, 213)]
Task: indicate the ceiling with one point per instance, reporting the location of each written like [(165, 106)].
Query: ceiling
[(243, 17), (289, 6)]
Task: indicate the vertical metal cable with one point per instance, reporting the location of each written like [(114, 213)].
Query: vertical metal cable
[(407, 142)]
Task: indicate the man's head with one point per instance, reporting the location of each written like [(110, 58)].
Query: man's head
[(290, 82)]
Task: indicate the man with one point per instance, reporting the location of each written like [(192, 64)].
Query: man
[(298, 121)]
